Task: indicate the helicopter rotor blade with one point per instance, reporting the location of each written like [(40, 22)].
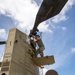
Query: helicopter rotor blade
[(2, 42), (48, 9)]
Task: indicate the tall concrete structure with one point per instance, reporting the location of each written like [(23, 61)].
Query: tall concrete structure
[(16, 59)]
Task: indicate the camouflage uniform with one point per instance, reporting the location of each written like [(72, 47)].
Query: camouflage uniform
[(41, 47)]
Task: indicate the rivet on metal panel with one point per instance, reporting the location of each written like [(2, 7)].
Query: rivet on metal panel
[(16, 41)]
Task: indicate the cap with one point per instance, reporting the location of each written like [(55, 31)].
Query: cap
[(37, 35)]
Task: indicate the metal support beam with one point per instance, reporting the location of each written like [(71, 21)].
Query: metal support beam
[(0, 64)]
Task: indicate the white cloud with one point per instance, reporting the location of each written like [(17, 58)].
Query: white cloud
[(2, 33), (43, 71), (44, 27), (62, 15), (73, 50), (63, 28), (23, 12)]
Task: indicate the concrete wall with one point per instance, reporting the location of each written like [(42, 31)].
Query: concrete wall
[(16, 59)]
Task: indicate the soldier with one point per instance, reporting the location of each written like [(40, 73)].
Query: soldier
[(40, 45), (38, 41)]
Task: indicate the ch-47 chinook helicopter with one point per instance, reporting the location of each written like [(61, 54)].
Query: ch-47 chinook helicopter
[(48, 9)]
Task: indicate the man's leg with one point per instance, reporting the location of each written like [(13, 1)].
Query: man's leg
[(40, 51), (42, 54)]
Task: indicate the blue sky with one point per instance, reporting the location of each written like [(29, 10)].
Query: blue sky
[(58, 33)]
